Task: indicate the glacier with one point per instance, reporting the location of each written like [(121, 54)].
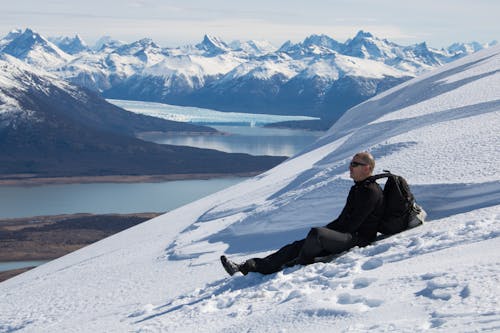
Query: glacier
[(202, 116), (440, 130)]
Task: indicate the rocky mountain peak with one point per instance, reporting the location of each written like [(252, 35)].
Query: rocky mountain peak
[(212, 45), (70, 45)]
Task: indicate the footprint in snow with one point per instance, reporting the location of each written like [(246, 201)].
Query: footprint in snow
[(378, 249), (361, 283), (373, 263), (346, 299), (440, 287)]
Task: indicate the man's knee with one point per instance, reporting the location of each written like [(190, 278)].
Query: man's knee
[(313, 233), (334, 241)]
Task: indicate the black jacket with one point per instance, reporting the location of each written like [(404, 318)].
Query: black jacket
[(362, 212)]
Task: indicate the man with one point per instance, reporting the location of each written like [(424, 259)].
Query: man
[(356, 226)]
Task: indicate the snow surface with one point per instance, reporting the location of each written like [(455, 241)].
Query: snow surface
[(164, 275)]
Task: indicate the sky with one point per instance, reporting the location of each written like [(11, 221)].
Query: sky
[(174, 23)]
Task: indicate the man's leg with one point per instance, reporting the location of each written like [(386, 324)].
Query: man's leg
[(276, 261), (268, 265), (321, 240)]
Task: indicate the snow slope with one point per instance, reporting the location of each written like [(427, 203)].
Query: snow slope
[(440, 130)]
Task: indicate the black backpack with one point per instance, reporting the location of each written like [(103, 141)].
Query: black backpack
[(400, 209)]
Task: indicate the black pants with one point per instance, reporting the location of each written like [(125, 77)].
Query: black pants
[(319, 241)]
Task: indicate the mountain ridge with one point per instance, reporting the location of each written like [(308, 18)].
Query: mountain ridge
[(212, 74)]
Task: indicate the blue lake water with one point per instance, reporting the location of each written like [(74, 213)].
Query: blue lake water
[(102, 198), (9, 265), (243, 139)]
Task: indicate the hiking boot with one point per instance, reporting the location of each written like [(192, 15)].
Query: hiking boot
[(229, 266)]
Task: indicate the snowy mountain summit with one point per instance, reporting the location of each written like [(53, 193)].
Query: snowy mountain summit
[(34, 49), (70, 45), (440, 130), (212, 45)]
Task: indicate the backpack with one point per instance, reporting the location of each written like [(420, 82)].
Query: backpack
[(401, 212)]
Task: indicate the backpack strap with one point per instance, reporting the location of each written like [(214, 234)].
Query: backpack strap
[(386, 174)]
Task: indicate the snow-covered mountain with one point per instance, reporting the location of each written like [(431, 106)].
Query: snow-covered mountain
[(253, 47), (440, 130), (107, 42), (70, 45), (317, 77), (212, 46), (34, 49), (468, 48)]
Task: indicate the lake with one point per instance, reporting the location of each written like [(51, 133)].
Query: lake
[(10, 265), (253, 140), (103, 198)]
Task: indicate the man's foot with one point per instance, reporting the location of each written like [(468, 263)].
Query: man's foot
[(229, 266)]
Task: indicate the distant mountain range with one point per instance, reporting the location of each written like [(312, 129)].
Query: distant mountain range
[(51, 128), (318, 77)]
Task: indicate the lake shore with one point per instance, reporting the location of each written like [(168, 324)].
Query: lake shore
[(50, 237), (32, 180)]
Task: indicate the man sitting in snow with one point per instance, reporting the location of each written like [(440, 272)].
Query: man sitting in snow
[(356, 226)]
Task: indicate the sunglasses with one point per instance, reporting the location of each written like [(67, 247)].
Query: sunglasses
[(354, 164)]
